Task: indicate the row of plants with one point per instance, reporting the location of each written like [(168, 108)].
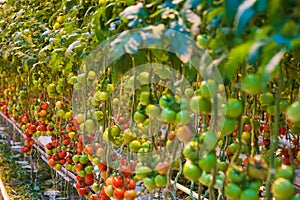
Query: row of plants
[(117, 125), (17, 180)]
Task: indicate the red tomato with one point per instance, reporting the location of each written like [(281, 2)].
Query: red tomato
[(130, 184), (117, 181), (119, 193), (82, 191)]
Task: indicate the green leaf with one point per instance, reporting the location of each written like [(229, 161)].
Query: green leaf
[(261, 5), (134, 14), (152, 34), (236, 56), (231, 7), (272, 67), (192, 4), (255, 51), (194, 19), (244, 15), (295, 43)]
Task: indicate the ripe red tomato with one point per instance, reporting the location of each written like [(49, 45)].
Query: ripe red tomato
[(130, 184), (119, 193), (82, 191), (117, 181)]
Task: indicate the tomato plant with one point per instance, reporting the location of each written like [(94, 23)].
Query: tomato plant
[(161, 123)]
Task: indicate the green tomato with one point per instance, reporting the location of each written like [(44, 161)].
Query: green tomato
[(135, 145), (283, 189), (202, 41), (222, 166), (286, 172), (160, 180), (235, 175), (191, 150), (152, 111), (226, 126), (183, 117), (204, 90), (234, 108), (252, 84), (168, 115), (143, 172), (209, 139), (166, 100), (89, 125), (205, 179), (97, 115), (200, 105), (191, 171), (184, 104), (149, 183), (114, 131), (88, 169), (255, 186), (103, 96), (128, 135), (233, 191), (249, 194), (293, 112), (145, 98), (266, 98), (284, 104), (83, 159), (81, 173), (75, 158), (246, 137), (139, 117), (208, 162)]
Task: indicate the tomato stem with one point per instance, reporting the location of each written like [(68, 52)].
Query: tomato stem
[(252, 124), (274, 138)]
